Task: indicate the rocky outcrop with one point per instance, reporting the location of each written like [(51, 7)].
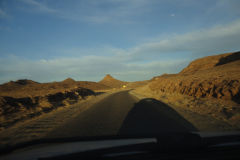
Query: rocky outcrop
[(13, 109), (213, 76), (221, 89)]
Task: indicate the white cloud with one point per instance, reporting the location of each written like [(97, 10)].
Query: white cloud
[(137, 63), (212, 40), (84, 68)]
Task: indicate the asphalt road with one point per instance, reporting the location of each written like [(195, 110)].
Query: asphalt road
[(118, 113), (123, 114)]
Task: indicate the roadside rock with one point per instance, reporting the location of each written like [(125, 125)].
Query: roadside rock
[(13, 109)]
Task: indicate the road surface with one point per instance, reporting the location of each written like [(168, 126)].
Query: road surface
[(122, 114), (118, 113)]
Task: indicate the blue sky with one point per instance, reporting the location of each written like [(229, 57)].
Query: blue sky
[(50, 40)]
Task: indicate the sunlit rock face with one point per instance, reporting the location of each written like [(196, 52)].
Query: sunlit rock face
[(213, 76)]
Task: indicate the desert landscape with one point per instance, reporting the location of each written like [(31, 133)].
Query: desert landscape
[(204, 96), (119, 79), (207, 86)]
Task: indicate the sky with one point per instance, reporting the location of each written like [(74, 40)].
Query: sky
[(51, 40)]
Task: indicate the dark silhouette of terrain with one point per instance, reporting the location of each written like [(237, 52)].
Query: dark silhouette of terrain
[(150, 116)]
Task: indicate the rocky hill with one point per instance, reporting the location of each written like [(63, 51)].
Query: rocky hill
[(25, 88), (210, 62), (24, 99), (214, 76), (209, 86), (108, 80)]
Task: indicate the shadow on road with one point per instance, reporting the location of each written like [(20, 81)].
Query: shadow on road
[(150, 116)]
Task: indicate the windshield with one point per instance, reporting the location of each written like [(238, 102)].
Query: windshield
[(118, 68)]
